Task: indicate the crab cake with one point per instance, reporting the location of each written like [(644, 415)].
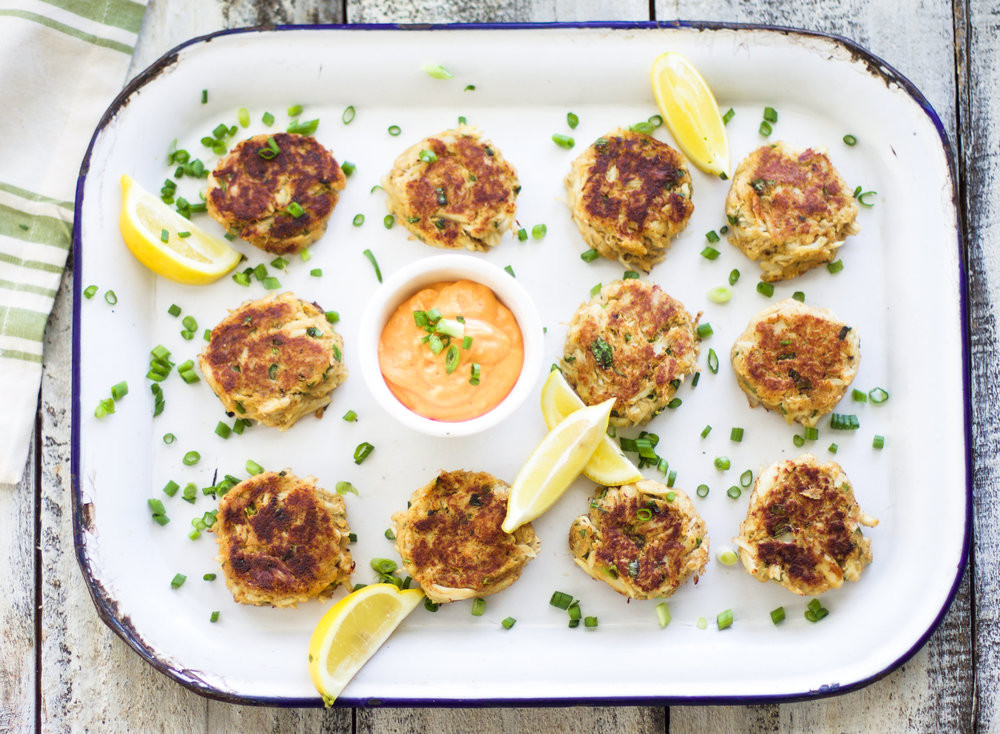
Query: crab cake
[(630, 195), (279, 202), (643, 540), (453, 190), (450, 538), (631, 342), (803, 527), (789, 209), (282, 540), (274, 360), (796, 359)]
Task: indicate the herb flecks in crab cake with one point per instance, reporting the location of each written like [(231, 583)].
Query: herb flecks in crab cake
[(274, 360), (631, 342), (450, 538)]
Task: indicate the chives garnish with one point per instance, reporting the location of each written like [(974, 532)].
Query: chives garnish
[(590, 255), (538, 231), (267, 119), (560, 600), (704, 331), (509, 270), (223, 430), (437, 71), (736, 434), (590, 622), (119, 391), (394, 130), (316, 272), (348, 116), (709, 253), (346, 488), (835, 267), (563, 141), (798, 440), (765, 289), (765, 128), (705, 431), (850, 140), (475, 374), (702, 491), (878, 395), (859, 396), (171, 487), (350, 416), (720, 293), (722, 463), (478, 606), (169, 438), (860, 196), (799, 296), (844, 422), (362, 451), (389, 534), (832, 448), (374, 262), (191, 458), (89, 291), (712, 236), (630, 275), (178, 581), (728, 116), (713, 362), (332, 317), (726, 557), (572, 120), (878, 442), (110, 297), (663, 614), (253, 468), (810, 434), (746, 478), (734, 492), (508, 622)]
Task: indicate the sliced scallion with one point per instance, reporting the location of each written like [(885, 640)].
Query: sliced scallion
[(563, 141), (478, 606), (374, 262), (508, 622), (720, 294), (702, 491), (362, 451)]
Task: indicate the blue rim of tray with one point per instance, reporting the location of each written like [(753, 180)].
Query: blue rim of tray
[(107, 607)]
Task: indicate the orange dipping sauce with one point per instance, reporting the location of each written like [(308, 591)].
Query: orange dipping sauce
[(419, 378)]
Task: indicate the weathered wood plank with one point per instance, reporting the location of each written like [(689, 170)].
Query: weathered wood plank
[(644, 720), (979, 112), (17, 603)]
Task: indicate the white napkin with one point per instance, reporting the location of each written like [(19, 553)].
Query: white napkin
[(61, 64)]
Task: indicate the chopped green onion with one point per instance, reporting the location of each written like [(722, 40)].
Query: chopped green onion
[(191, 458), (171, 487), (728, 116), (510, 270), (560, 600), (270, 283), (348, 116), (765, 289), (663, 614), (850, 140), (316, 272), (674, 403), (475, 374), (810, 434), (726, 557), (702, 491), (704, 331), (720, 293), (358, 220), (388, 221), (770, 114), (595, 290), (466, 342), (702, 623), (798, 440), (705, 431), (169, 438), (860, 196), (844, 422), (508, 622), (110, 297), (383, 565), (189, 323), (478, 606), (346, 488), (710, 253), (156, 506), (204, 96), (270, 151), (174, 310), (178, 581), (799, 296), (394, 130), (437, 71), (522, 235), (350, 416), (563, 141), (712, 236), (778, 615), (303, 128), (878, 442), (835, 267), (713, 362), (746, 478), (389, 534), (721, 463), (765, 128), (590, 622), (644, 514), (538, 231), (253, 468), (267, 119), (878, 395), (119, 391), (332, 317), (724, 619), (734, 492), (451, 359), (832, 448), (590, 255), (859, 396), (374, 262), (630, 275), (572, 120), (427, 156), (815, 611), (305, 256), (214, 616), (362, 451), (736, 434), (89, 291)]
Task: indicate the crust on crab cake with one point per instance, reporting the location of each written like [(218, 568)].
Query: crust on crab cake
[(274, 360), (631, 342), (282, 540), (630, 195), (789, 209), (797, 360), (643, 540), (450, 538), (252, 196), (803, 527), (453, 190)]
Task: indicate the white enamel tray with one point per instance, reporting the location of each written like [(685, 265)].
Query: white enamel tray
[(901, 287)]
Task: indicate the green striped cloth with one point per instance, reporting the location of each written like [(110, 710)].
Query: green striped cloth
[(61, 64)]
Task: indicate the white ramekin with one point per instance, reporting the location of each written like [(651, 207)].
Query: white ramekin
[(408, 280)]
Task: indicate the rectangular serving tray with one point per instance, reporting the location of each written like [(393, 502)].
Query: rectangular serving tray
[(902, 287)]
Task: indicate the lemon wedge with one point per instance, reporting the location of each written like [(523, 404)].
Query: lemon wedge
[(608, 465), (194, 259), (555, 463), (691, 112), (352, 631)]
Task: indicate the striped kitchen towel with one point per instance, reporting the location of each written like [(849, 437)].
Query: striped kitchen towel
[(61, 64)]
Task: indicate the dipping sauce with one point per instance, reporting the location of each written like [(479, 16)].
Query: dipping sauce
[(490, 338)]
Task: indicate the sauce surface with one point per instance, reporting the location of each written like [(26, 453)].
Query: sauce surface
[(419, 378)]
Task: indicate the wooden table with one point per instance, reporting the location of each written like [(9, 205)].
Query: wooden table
[(61, 668)]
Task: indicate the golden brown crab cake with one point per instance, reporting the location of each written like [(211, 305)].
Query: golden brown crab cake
[(282, 540), (450, 538), (274, 360), (277, 201), (631, 342), (630, 195), (789, 210), (453, 190), (643, 540), (796, 359), (803, 527)]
